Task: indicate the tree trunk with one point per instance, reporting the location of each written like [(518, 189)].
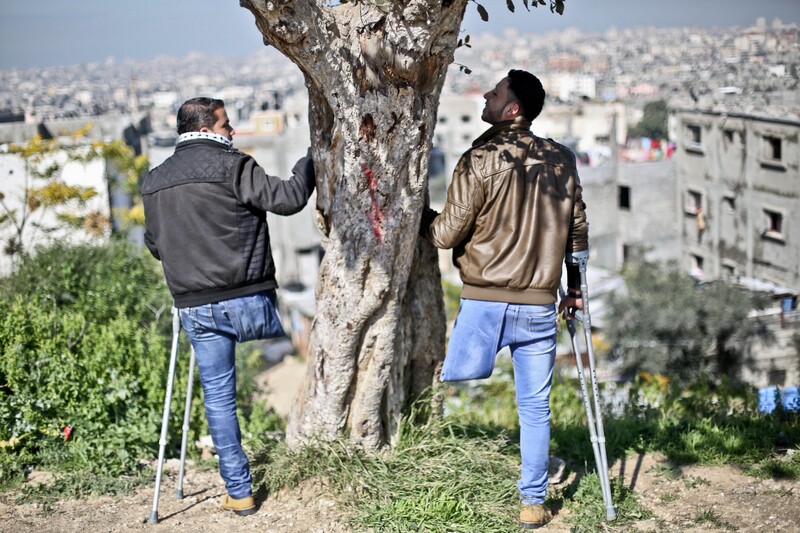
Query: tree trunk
[(374, 75)]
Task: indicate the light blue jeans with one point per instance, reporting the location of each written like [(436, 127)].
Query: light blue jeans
[(214, 329), (484, 328)]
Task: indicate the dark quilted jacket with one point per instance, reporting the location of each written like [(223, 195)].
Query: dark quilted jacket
[(205, 219)]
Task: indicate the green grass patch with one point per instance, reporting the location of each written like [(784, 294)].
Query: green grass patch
[(438, 477), (709, 517)]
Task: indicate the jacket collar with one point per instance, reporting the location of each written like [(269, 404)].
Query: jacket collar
[(519, 124), (192, 135)]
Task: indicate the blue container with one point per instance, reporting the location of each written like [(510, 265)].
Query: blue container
[(767, 399), (790, 399)]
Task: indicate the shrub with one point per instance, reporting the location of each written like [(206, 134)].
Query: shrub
[(85, 335), (83, 345)]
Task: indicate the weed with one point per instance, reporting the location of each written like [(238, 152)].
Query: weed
[(668, 497), (713, 518), (666, 470), (691, 483)]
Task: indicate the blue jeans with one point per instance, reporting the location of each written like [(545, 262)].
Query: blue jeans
[(480, 331), (214, 329)]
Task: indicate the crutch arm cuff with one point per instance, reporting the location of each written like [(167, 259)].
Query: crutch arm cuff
[(575, 258), (575, 262)]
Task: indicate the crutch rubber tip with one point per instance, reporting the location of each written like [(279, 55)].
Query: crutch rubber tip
[(611, 514), (179, 494), (153, 518)]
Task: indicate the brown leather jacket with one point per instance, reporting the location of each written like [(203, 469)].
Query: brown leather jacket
[(514, 210)]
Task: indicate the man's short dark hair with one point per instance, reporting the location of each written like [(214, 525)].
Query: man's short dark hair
[(528, 91), (197, 113)]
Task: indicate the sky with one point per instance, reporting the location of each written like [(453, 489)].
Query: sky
[(39, 33)]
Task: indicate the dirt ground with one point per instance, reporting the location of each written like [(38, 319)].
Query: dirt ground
[(691, 499), (694, 499)]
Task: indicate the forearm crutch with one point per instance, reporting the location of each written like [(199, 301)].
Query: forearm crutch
[(594, 420), (162, 441)]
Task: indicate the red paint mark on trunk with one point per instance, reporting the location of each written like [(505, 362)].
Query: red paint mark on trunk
[(375, 214)]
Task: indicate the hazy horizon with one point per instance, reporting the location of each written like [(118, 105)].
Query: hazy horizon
[(44, 33)]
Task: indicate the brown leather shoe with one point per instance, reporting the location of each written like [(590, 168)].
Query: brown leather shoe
[(241, 507), (533, 516)]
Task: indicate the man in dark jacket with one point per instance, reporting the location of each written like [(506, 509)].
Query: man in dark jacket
[(206, 221), (514, 210)]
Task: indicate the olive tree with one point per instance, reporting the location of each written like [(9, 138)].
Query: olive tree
[(374, 70)]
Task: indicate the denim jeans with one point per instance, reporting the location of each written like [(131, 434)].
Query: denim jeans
[(214, 329), (484, 328)]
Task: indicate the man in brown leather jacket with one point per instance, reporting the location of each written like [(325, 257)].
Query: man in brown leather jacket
[(514, 212)]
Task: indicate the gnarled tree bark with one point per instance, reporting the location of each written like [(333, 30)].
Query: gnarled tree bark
[(374, 71)]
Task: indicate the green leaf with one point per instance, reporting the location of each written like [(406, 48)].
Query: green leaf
[(483, 13), (510, 5), (525, 3), (559, 7)]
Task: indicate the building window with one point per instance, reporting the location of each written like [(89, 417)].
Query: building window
[(465, 118), (694, 138), (728, 269), (693, 202), (730, 203), (442, 119), (697, 266), (626, 254), (772, 148), (729, 136), (624, 197), (773, 225)]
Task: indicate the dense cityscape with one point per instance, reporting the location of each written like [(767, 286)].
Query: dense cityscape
[(743, 68)]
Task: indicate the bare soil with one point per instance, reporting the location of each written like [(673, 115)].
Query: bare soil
[(689, 499), (692, 499)]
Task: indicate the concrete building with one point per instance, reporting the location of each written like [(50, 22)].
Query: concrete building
[(739, 212), (739, 187), (631, 205)]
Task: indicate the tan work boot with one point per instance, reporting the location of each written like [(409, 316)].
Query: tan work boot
[(533, 516), (242, 507)]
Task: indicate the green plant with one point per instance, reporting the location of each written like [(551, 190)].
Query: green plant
[(668, 324), (90, 349), (589, 511), (83, 344), (668, 497), (713, 518)]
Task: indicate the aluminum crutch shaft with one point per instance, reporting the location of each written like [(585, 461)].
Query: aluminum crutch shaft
[(587, 404), (162, 441), (581, 259), (185, 428)]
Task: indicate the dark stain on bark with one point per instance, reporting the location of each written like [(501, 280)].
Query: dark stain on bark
[(395, 122), (367, 129)]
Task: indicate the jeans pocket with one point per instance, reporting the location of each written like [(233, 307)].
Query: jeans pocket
[(197, 319), (540, 318)]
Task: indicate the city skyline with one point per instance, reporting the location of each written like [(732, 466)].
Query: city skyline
[(41, 33)]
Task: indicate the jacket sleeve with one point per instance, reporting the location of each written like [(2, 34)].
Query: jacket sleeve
[(465, 198), (150, 243), (578, 239), (256, 188)]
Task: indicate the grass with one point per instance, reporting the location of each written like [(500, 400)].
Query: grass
[(709, 517), (458, 473), (439, 477)]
